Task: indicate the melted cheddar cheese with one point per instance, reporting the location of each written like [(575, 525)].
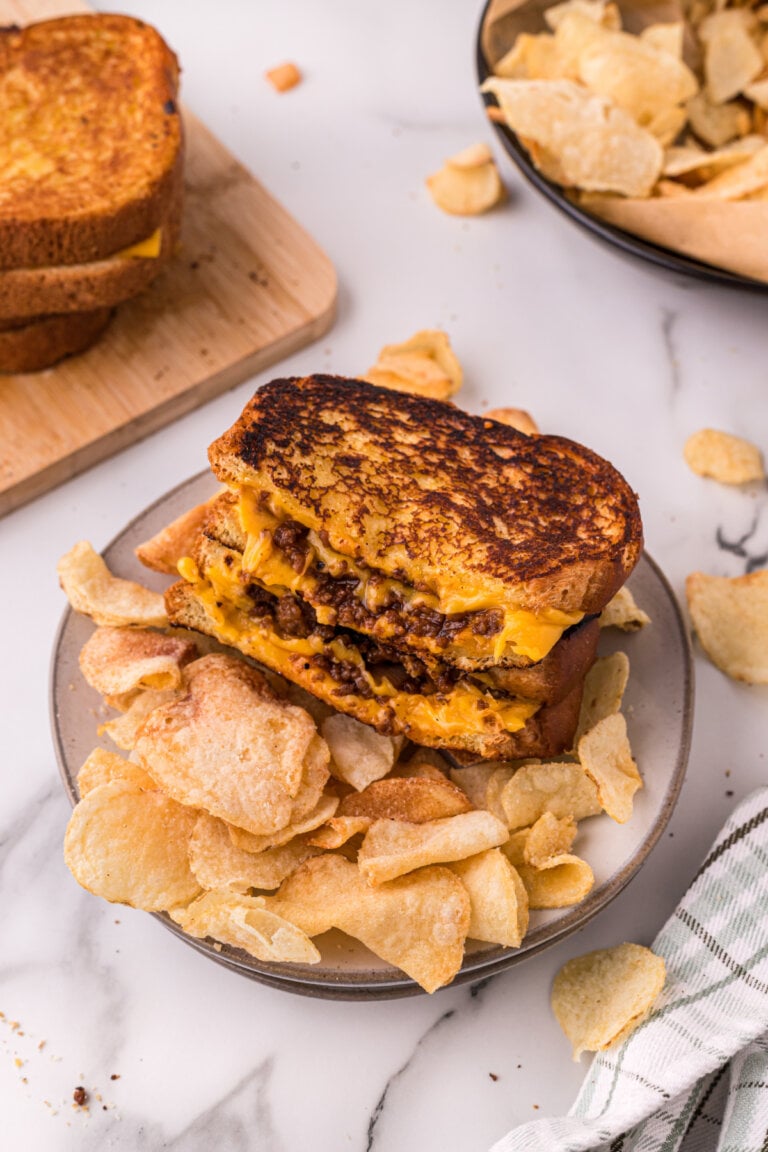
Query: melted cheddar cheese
[(148, 248)]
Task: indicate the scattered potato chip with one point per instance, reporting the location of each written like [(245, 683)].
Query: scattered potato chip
[(425, 365), (418, 923), (91, 589), (559, 882), (548, 837), (416, 799), (623, 612), (244, 922), (124, 730), (498, 899), (723, 457), (731, 59), (359, 755), (515, 418), (730, 615), (102, 767), (117, 661), (229, 745), (130, 846), (163, 551), (249, 842), (283, 77), (564, 789), (606, 757), (394, 847), (468, 184), (217, 863), (600, 998), (599, 146), (603, 691)]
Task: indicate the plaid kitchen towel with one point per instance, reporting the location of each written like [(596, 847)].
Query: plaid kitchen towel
[(694, 1075)]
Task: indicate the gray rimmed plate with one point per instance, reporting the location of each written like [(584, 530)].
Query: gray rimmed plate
[(658, 705)]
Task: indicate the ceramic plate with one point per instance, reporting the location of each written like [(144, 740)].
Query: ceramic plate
[(658, 706)]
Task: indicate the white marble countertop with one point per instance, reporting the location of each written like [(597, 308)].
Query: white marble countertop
[(177, 1052)]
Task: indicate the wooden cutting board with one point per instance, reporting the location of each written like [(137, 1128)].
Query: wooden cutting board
[(247, 287)]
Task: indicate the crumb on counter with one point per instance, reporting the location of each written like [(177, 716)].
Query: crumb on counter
[(284, 77)]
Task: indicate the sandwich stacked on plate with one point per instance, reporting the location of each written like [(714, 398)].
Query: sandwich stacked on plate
[(91, 158), (428, 572)]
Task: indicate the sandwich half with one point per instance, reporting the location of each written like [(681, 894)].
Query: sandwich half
[(426, 571)]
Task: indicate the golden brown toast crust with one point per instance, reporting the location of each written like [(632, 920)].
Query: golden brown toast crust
[(423, 491), (90, 138), (37, 344), (32, 292)]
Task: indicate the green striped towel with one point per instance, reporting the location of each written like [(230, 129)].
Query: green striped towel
[(694, 1075)]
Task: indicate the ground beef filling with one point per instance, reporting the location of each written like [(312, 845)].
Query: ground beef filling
[(339, 593)]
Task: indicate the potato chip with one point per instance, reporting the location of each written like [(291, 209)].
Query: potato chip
[(359, 755), (498, 899), (603, 691), (515, 418), (101, 767), (731, 59), (163, 551), (606, 757), (425, 763), (758, 93), (730, 615), (739, 180), (130, 846), (124, 730), (548, 837), (635, 75), (339, 830), (717, 124), (463, 189), (394, 847), (600, 998), (599, 146), (532, 58), (560, 882), (598, 11), (681, 161), (667, 124), (418, 923), (91, 589), (244, 922), (723, 457), (217, 863), (229, 745), (623, 612), (249, 842), (425, 365), (564, 789), (665, 37), (121, 660), (415, 800), (474, 781)]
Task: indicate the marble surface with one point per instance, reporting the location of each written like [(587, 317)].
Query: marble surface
[(177, 1052)]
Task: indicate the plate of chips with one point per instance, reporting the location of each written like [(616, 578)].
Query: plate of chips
[(360, 897), (644, 123)]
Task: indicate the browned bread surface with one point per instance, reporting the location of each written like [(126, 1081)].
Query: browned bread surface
[(90, 138), (421, 490), (546, 733), (40, 343), (30, 292)]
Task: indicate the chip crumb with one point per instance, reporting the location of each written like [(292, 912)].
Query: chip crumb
[(19, 1062), (723, 457), (283, 77), (115, 1076), (80, 1096), (493, 1076)]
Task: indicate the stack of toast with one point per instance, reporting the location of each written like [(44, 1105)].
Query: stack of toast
[(430, 573), (91, 179)]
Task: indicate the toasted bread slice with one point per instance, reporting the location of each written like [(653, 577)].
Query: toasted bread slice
[(456, 512), (90, 138), (31, 292), (462, 718), (31, 345)]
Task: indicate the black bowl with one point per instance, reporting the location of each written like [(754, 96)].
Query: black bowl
[(626, 242)]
